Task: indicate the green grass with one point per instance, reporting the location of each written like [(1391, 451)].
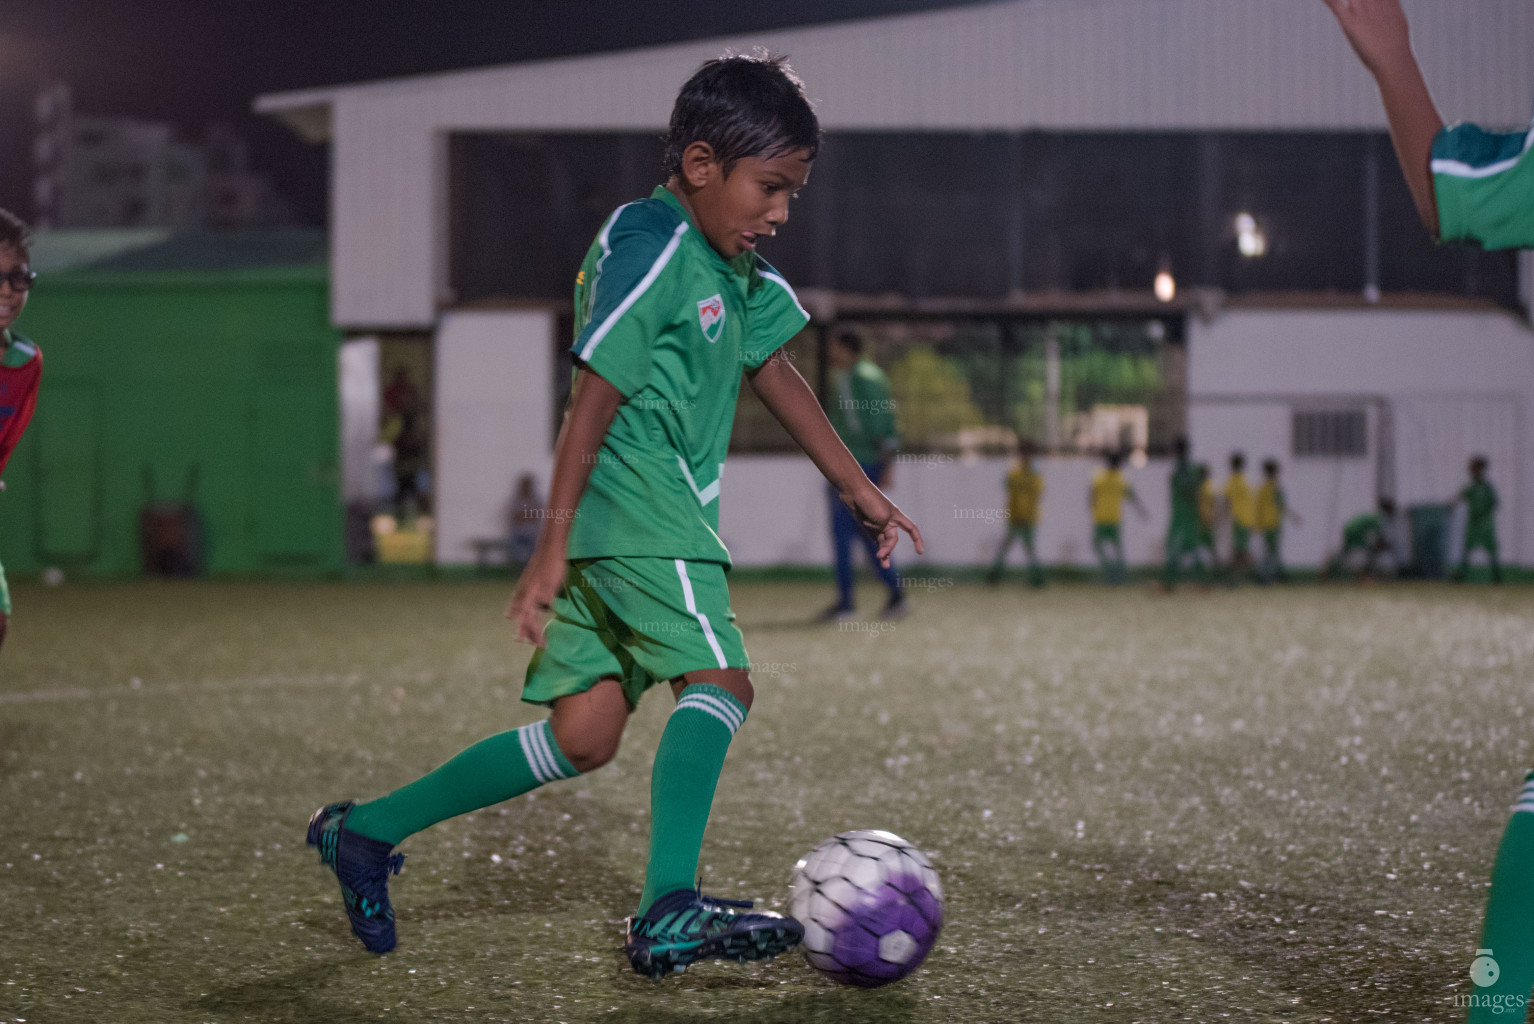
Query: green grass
[(1261, 805)]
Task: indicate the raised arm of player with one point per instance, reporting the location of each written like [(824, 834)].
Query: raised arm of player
[(593, 404), (1381, 38), (786, 394)]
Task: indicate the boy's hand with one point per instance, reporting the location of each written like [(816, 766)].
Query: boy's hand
[(535, 593), (1377, 29), (879, 516)]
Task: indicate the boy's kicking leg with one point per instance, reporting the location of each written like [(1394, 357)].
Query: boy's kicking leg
[(356, 840), (677, 925)]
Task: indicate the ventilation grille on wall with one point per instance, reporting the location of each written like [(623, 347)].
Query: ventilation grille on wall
[(1331, 433)]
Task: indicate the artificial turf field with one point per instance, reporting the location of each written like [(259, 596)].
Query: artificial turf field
[(1272, 804)]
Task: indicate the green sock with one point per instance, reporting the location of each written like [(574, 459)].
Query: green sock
[(494, 769), (1509, 929), (687, 765)]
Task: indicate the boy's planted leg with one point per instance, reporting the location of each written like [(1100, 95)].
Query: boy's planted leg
[(676, 925)]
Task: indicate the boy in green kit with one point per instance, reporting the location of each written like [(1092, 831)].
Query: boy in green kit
[(1467, 183), (672, 306), (1182, 535), (1480, 499), (1025, 488), (1367, 534)]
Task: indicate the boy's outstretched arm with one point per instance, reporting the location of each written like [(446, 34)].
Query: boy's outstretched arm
[(1381, 38), (593, 404), (788, 397)]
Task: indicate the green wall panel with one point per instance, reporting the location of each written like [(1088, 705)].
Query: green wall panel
[(214, 387)]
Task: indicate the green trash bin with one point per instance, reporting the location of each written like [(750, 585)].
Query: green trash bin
[(1429, 540)]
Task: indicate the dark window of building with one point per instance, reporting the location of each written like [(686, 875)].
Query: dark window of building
[(991, 214)]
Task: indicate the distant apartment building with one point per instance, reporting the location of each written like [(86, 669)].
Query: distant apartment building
[(94, 171)]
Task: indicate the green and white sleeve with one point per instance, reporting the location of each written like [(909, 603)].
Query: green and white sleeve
[(1484, 185)]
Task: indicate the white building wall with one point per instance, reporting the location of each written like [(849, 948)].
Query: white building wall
[(1027, 64), (1455, 383), (776, 511), (494, 421)]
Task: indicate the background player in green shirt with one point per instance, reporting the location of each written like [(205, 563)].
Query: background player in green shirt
[(1368, 534), (863, 413), (1208, 512), (1480, 499), (1467, 183), (1182, 538), (672, 306), (1025, 487)]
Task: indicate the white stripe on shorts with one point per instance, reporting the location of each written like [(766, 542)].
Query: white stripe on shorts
[(692, 606)]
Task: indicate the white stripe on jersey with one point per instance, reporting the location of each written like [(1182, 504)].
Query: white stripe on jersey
[(639, 290)]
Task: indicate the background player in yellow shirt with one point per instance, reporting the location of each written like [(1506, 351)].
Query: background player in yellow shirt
[(1106, 500), (1025, 486), (1272, 510), (1241, 506)]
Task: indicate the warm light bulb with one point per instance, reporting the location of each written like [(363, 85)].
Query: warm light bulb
[(1166, 286)]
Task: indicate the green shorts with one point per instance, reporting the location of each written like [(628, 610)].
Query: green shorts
[(1105, 531), (1240, 537), (1021, 528), (1181, 536), (643, 620), (1476, 536), (5, 594)]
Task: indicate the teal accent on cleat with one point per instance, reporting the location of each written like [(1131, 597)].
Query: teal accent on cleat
[(362, 866), (685, 926)]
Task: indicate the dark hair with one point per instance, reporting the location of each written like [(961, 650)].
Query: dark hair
[(1479, 462), (848, 338), (1237, 460), (1114, 458), (1388, 506), (742, 107), (1180, 447), (1270, 467), (15, 233)]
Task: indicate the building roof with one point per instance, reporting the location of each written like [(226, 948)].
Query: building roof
[(1014, 65)]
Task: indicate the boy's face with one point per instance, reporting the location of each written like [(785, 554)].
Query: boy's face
[(737, 210), (12, 300)]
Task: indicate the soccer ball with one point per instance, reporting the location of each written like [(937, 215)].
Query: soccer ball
[(871, 907)]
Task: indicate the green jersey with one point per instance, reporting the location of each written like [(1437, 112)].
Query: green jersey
[(1365, 530), (863, 412), (1481, 501), (671, 324), (1484, 184), (1184, 487)]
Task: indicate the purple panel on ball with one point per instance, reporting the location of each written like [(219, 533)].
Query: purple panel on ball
[(902, 903)]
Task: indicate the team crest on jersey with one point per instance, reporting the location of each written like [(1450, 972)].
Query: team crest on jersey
[(711, 317)]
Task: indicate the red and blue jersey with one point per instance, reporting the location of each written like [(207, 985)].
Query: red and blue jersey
[(21, 369)]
